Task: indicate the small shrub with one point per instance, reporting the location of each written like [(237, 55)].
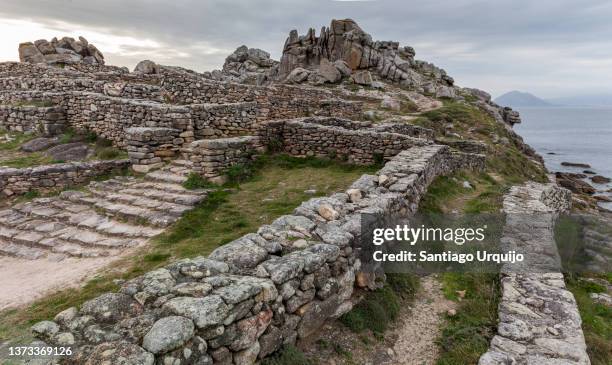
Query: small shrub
[(378, 158), (288, 355), (404, 285), (68, 136), (275, 145), (239, 173), (109, 153), (32, 194), (195, 181), (91, 137)]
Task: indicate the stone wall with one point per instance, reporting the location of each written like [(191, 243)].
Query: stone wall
[(212, 157), (327, 137), (224, 120), (250, 296), (149, 147), (44, 120), (53, 177), (539, 322)]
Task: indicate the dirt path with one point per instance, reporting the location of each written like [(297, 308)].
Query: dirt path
[(416, 337), (410, 341)]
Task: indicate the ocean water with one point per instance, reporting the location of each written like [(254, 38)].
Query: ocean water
[(572, 134)]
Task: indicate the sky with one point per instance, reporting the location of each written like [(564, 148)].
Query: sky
[(552, 48)]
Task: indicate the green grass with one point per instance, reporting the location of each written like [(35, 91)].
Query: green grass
[(32, 159), (596, 319), (288, 355), (276, 188), (195, 181), (379, 308), (466, 336)]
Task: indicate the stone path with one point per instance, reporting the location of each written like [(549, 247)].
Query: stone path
[(58, 241), (416, 337)]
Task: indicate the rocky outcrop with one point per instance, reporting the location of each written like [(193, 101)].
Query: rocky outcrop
[(63, 51), (539, 318), (344, 41), (248, 65)]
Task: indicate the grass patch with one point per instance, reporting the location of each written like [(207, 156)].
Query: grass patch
[(32, 159), (195, 181), (466, 336), (596, 319), (288, 355), (379, 308)]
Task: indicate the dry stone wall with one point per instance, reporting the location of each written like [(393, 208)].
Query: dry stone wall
[(212, 157), (45, 120), (254, 294), (53, 177), (149, 147), (539, 322), (327, 137)]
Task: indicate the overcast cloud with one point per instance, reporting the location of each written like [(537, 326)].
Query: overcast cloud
[(549, 47)]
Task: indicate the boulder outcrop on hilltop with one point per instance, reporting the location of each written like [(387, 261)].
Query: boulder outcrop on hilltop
[(63, 51), (248, 65), (350, 48)]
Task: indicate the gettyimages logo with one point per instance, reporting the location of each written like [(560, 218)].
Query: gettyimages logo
[(480, 243)]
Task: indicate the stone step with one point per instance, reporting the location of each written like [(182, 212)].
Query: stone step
[(60, 246), (177, 198), (85, 218), (168, 187), (20, 251), (105, 225), (140, 201), (125, 211), (165, 177), (34, 231)]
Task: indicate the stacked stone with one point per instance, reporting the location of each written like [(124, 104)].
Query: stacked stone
[(407, 129), (274, 102), (468, 146), (224, 120), (539, 318), (212, 157), (252, 295), (54, 177), (147, 146), (306, 137), (48, 121)]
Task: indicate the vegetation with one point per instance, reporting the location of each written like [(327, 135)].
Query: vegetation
[(596, 317), (277, 187), (466, 336), (288, 355), (379, 308)]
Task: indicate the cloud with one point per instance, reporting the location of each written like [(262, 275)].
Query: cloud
[(549, 47)]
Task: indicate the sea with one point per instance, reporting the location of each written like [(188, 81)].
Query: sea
[(571, 134)]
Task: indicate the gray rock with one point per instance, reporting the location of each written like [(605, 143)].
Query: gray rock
[(147, 67), (76, 151), (297, 76), (39, 144), (111, 307), (168, 333), (119, 353), (205, 312), (362, 78), (329, 72)]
